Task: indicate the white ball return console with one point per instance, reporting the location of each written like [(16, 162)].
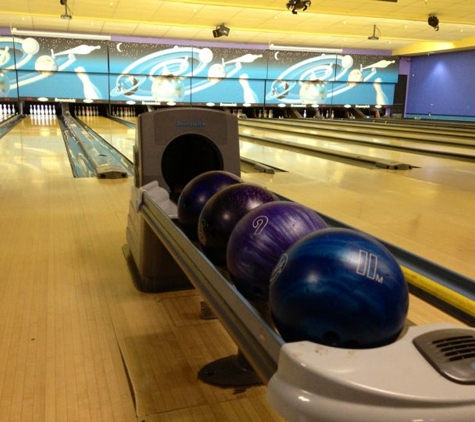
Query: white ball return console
[(426, 375)]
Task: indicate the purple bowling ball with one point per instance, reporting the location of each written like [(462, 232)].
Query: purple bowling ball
[(196, 193), (223, 211), (260, 238)]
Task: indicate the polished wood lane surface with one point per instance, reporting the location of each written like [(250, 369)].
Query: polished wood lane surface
[(78, 341), (373, 145), (427, 211), (116, 134)]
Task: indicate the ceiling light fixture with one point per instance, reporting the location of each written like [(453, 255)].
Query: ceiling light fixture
[(66, 14), (434, 22), (374, 37), (221, 31), (28, 33), (295, 5)]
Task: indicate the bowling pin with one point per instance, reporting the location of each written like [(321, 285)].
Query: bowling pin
[(247, 58), (380, 96), (82, 49), (249, 95), (89, 89), (379, 65)]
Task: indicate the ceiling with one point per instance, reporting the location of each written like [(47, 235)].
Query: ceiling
[(401, 26)]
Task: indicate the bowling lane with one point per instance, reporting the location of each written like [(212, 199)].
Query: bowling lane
[(439, 135), (34, 147), (309, 137), (422, 126), (427, 211), (430, 220), (116, 134), (441, 171)]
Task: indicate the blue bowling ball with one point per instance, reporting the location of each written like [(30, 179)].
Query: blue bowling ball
[(223, 211), (260, 238), (196, 193), (341, 288)]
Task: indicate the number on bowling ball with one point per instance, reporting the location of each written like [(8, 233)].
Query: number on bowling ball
[(260, 238), (223, 211)]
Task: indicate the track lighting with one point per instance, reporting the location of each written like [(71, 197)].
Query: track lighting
[(221, 31), (295, 5), (434, 22)]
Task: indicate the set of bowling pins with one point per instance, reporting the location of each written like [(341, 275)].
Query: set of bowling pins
[(86, 111), (43, 119), (319, 114), (7, 109), (42, 110), (123, 111), (266, 114)]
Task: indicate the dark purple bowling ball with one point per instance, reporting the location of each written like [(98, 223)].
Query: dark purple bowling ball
[(260, 238), (223, 211), (196, 193), (341, 288)]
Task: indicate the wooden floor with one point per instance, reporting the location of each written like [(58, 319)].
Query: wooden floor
[(80, 343)]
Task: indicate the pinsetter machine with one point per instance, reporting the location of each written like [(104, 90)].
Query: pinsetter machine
[(428, 374)]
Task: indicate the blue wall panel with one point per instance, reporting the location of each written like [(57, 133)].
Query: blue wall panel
[(442, 84)]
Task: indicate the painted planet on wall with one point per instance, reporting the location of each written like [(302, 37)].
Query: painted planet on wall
[(168, 88), (313, 91), (127, 85), (30, 46), (46, 65), (355, 77), (280, 89)]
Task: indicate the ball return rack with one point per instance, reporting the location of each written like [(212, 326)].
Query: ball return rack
[(428, 374)]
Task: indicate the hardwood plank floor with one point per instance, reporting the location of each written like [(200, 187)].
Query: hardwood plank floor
[(78, 341)]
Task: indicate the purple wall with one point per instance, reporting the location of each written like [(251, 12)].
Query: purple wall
[(442, 85)]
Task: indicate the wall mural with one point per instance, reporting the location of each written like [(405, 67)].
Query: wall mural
[(52, 69)]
